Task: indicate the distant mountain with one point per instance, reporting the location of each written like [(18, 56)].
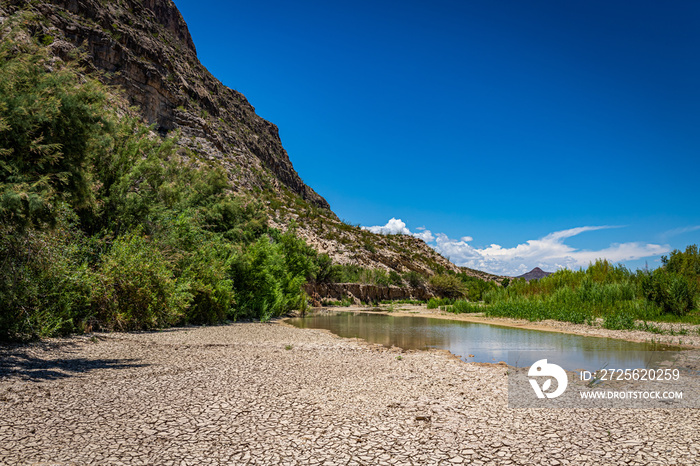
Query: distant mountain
[(534, 274)]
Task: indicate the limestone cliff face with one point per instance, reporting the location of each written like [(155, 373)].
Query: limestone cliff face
[(144, 46)]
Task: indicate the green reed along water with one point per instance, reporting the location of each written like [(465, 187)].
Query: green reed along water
[(480, 342)]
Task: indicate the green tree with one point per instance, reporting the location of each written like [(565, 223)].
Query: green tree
[(685, 263), (448, 286), (50, 123)]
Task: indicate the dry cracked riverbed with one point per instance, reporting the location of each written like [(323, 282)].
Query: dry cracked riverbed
[(271, 394)]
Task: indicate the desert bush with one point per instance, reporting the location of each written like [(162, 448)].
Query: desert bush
[(448, 286), (201, 262), (325, 271), (395, 278), (268, 276), (475, 287), (378, 277), (674, 293), (134, 287), (462, 306), (434, 303), (414, 279), (348, 273), (256, 277), (43, 285)]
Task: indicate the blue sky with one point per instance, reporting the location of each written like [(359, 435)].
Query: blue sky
[(512, 125)]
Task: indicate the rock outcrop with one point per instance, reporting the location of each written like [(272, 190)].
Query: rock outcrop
[(361, 293)]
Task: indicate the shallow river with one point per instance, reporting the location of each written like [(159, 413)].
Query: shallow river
[(481, 342)]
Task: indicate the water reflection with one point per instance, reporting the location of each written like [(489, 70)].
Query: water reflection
[(487, 343)]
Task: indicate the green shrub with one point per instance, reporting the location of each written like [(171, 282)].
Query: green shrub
[(448, 286), (256, 278), (268, 276), (619, 321), (673, 292), (378, 277), (414, 279), (465, 307), (201, 263), (475, 288), (325, 271), (348, 273), (43, 285), (395, 278), (134, 287), (434, 303)]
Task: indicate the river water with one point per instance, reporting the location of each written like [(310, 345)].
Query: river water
[(475, 342)]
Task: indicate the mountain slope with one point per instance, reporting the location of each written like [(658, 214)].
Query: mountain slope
[(144, 47)]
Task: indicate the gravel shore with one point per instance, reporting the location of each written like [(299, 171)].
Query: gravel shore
[(255, 393)]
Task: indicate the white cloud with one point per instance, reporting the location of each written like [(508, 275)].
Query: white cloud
[(425, 235), (549, 252), (397, 226), (393, 227), (680, 231)]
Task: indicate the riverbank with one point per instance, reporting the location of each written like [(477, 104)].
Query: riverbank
[(684, 335), (256, 393)]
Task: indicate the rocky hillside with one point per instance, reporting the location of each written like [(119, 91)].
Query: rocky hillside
[(144, 47)]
